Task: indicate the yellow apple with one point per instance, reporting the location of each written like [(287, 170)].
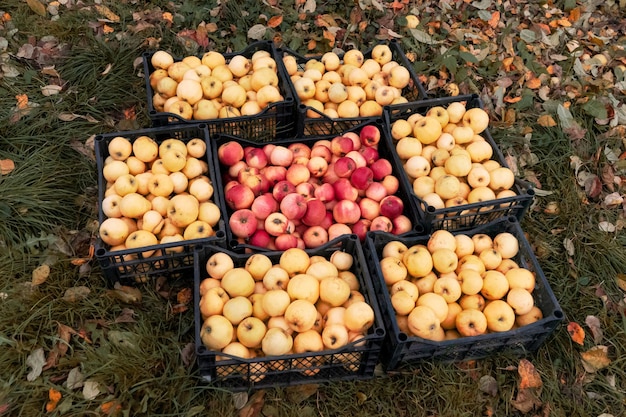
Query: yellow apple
[(500, 316), (471, 322)]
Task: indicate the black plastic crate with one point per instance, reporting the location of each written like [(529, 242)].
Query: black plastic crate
[(326, 126), (130, 266), (467, 216), (401, 350), (354, 361), (275, 121), (384, 151)]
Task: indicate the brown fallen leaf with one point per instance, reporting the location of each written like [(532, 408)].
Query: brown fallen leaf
[(526, 400), (546, 121), (125, 294), (596, 328), (300, 393), (576, 332), (529, 377), (107, 13), (595, 358), (74, 294), (254, 406), (64, 333), (621, 281)]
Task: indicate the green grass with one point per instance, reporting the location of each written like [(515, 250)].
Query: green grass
[(48, 209)]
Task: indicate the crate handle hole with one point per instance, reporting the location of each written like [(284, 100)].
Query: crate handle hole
[(402, 337)]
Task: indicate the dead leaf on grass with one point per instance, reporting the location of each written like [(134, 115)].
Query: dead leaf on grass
[(125, 294), (621, 281), (596, 328), (36, 360), (526, 400), (299, 393), (37, 7), (576, 332), (595, 358), (75, 379), (54, 397), (529, 377), (40, 274), (6, 166), (546, 121), (254, 406), (107, 13), (75, 294), (91, 390), (488, 385), (126, 316)]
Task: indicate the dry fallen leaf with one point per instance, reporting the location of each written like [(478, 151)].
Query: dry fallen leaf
[(90, 390), (74, 294), (36, 360), (37, 7), (546, 121), (254, 406), (529, 377), (576, 332), (125, 294), (40, 274), (595, 358), (596, 328), (621, 281), (54, 398), (6, 166)]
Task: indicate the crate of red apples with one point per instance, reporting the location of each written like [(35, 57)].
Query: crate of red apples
[(305, 192)]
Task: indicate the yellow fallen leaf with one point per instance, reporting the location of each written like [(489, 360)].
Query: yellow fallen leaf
[(40, 274), (596, 358), (37, 7), (106, 12), (621, 281), (546, 121)]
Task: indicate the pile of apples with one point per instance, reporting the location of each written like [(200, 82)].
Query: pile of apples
[(156, 194), (458, 285), (447, 160), (350, 87), (302, 303), (296, 195), (212, 87)]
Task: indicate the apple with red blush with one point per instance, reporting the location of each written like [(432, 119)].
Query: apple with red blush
[(346, 212), (243, 223), (239, 196), (229, 153), (341, 145), (281, 189), (263, 205), (370, 135), (381, 168), (344, 167), (361, 178), (293, 206), (391, 206), (315, 236)]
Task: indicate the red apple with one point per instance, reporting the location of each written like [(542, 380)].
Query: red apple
[(391, 206), (282, 188), (357, 157), (361, 178), (376, 191), (286, 241), (274, 174), (381, 168), (370, 135), (243, 223), (229, 153), (264, 205), (344, 167), (369, 208), (356, 139), (317, 166), (293, 206), (346, 212), (268, 148), (361, 227), (277, 223), (297, 174), (382, 223), (261, 239), (330, 176), (315, 236), (315, 212), (341, 145), (306, 190), (281, 156), (233, 170), (401, 225), (370, 154), (239, 196), (256, 158), (325, 192), (300, 150), (323, 151), (391, 184), (344, 190), (338, 229), (328, 220)]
